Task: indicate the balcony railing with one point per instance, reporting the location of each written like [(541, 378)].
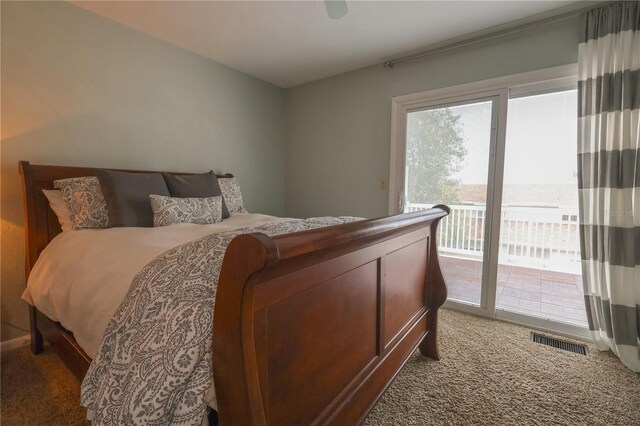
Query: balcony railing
[(534, 237)]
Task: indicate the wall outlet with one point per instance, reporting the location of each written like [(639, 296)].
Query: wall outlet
[(384, 183)]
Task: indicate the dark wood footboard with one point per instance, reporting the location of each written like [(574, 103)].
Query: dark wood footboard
[(311, 327)]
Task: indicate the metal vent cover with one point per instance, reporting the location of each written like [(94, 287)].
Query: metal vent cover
[(559, 344)]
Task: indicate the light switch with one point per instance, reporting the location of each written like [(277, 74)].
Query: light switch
[(384, 183)]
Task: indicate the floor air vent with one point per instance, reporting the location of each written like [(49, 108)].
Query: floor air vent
[(560, 344)]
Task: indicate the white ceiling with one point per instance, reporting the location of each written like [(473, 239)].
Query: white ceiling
[(294, 42)]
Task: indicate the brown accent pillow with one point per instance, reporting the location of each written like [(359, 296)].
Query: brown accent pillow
[(127, 196), (204, 185)]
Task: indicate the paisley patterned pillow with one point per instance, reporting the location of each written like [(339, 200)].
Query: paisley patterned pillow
[(232, 195), (171, 210), (83, 196)]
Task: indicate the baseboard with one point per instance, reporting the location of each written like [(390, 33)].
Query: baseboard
[(18, 342)]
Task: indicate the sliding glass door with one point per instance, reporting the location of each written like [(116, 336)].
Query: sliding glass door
[(447, 162), (539, 259), (504, 161)]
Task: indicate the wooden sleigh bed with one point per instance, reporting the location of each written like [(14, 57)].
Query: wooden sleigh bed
[(310, 327)]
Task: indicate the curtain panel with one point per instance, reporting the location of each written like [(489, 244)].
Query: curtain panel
[(609, 177)]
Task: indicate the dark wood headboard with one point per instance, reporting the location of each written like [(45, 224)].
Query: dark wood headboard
[(41, 223)]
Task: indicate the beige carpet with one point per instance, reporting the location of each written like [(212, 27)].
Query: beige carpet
[(490, 374)]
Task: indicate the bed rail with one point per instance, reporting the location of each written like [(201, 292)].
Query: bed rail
[(311, 327)]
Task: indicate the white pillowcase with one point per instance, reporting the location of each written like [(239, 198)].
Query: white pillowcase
[(59, 207)]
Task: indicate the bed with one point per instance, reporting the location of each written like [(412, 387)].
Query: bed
[(375, 287)]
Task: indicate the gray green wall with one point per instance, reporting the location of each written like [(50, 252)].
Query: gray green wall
[(338, 129), (78, 89)]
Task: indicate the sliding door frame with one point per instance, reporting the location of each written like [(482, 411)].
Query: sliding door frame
[(499, 89)]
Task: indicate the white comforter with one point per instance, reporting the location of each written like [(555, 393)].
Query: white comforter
[(81, 277)]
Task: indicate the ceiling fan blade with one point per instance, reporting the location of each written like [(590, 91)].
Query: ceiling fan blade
[(336, 9)]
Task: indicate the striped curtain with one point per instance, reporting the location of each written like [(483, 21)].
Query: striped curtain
[(609, 177)]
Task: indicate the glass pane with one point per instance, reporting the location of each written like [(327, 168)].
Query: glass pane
[(447, 162), (539, 259)]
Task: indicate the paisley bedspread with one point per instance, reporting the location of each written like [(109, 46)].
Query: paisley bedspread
[(154, 366)]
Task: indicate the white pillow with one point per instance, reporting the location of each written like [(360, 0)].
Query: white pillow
[(59, 207)]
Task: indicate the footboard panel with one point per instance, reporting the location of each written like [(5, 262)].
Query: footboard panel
[(404, 278), (298, 362), (315, 337)]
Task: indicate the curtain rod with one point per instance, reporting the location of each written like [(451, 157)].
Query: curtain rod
[(487, 35)]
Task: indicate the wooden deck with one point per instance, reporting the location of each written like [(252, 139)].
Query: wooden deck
[(546, 294)]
